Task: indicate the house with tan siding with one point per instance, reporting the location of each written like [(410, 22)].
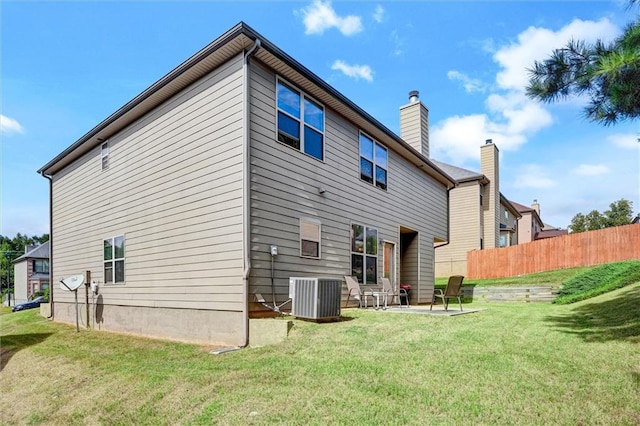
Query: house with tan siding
[(174, 201), (479, 215), (531, 227)]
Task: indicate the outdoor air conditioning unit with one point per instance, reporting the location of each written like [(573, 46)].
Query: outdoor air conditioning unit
[(315, 298)]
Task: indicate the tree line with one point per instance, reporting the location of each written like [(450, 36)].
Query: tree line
[(620, 213)]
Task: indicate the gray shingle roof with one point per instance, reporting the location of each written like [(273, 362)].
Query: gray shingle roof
[(40, 252), (458, 173)]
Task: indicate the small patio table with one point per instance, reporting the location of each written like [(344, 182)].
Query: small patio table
[(380, 295)]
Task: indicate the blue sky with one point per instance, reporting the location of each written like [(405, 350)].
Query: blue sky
[(65, 66)]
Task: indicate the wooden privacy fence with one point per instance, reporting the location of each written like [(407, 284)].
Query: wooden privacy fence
[(568, 251)]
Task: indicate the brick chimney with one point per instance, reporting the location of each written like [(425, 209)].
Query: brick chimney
[(489, 166), (414, 123)]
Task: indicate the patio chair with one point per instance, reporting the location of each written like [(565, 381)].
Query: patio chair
[(453, 291), (356, 292), (391, 292)]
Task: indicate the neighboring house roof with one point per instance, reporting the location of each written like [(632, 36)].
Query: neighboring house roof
[(547, 227), (636, 219), (510, 206), (238, 39), (460, 174), (524, 209), (464, 175), (521, 208), (40, 252), (551, 233)]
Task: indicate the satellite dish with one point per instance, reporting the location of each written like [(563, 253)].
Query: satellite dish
[(72, 283)]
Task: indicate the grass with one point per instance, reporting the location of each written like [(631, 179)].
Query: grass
[(598, 280), (507, 364), (552, 278)]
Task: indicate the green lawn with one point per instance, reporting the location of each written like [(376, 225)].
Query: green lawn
[(552, 278), (507, 364)]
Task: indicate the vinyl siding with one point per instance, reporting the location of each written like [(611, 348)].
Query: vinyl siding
[(21, 283), (414, 126), (525, 228), (173, 188), (284, 187), (465, 230), (510, 223)]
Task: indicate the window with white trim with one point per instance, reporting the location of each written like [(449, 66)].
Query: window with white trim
[(104, 155), (373, 162), (364, 254), (113, 256), (309, 238), (300, 121)]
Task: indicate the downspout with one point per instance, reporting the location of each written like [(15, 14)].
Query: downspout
[(448, 218), (50, 179), (246, 188)]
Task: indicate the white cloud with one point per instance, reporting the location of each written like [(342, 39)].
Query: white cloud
[(9, 126), (378, 15), (354, 71), (398, 44), (591, 170), (533, 176), (470, 84), (625, 140), (320, 16), (536, 44), (510, 117)]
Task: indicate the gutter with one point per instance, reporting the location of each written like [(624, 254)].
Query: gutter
[(50, 179), (448, 220)]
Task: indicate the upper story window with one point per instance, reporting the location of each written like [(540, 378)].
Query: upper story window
[(300, 121), (114, 260), (373, 162), (104, 155), (41, 266)]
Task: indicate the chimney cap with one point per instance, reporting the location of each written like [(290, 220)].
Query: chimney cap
[(488, 141), (414, 95)]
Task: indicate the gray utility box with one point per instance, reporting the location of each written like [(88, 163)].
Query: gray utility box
[(315, 298)]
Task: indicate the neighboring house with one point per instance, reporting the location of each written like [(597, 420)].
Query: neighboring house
[(531, 227), (174, 201), (31, 272), (480, 216)]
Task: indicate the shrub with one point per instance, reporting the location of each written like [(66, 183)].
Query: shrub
[(598, 280)]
